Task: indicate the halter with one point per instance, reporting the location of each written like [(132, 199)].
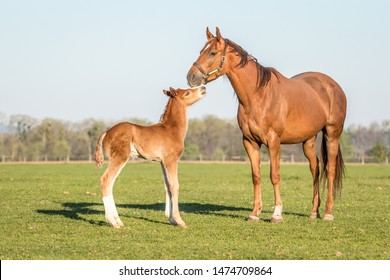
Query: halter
[(206, 75)]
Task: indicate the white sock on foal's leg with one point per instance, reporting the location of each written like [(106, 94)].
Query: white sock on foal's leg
[(168, 204), (277, 215), (111, 213)]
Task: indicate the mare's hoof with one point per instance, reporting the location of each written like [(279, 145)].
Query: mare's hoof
[(328, 217)]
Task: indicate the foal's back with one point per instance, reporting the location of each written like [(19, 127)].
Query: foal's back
[(153, 142)]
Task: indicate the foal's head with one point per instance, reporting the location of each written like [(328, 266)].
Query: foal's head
[(188, 95)]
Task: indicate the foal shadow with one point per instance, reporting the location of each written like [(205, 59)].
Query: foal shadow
[(193, 208), (77, 211)]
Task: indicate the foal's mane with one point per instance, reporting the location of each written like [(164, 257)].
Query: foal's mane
[(165, 115), (263, 73)]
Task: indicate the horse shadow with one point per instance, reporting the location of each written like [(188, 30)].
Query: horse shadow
[(78, 210), (75, 211)]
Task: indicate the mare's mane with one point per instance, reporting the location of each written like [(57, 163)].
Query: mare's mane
[(264, 74)]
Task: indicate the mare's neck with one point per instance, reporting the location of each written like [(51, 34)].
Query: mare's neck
[(244, 81)]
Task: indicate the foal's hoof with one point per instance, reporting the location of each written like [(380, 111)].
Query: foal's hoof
[(277, 215), (314, 216), (177, 223), (276, 219), (328, 217), (253, 219), (115, 222), (183, 225)]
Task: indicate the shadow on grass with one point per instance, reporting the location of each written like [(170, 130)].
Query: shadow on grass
[(75, 211)]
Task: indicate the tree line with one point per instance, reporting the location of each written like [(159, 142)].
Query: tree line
[(24, 138)]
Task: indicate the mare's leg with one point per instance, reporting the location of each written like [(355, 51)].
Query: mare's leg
[(172, 183), (107, 183), (253, 151), (332, 144), (309, 149), (168, 198), (274, 152)]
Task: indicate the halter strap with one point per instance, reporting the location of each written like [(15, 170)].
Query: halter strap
[(206, 75)]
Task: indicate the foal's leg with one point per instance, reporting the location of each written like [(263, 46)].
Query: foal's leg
[(309, 150), (168, 202), (274, 152), (253, 151), (171, 180), (107, 183)]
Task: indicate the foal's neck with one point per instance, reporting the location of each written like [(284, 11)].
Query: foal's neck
[(175, 117)]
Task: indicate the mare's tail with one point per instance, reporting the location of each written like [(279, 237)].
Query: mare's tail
[(340, 167), (99, 157)]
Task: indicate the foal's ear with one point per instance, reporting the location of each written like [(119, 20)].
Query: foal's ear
[(219, 36), (209, 34), (172, 91)]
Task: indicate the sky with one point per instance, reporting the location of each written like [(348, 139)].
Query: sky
[(73, 60)]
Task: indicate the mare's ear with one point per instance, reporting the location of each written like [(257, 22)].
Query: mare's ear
[(172, 91), (166, 92), (209, 34), (219, 36)]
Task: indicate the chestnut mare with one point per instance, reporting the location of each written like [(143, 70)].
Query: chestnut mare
[(276, 110), (162, 142)]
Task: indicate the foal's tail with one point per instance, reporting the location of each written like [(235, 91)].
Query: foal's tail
[(99, 157), (340, 168)]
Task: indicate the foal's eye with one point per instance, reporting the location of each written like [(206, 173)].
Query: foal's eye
[(187, 93), (213, 53)]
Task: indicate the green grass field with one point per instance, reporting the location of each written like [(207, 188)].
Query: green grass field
[(56, 212)]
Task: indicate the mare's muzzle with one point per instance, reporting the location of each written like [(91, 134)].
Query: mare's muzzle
[(195, 77)]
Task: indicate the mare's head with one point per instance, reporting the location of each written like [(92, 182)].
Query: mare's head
[(221, 55), (188, 96), (211, 62)]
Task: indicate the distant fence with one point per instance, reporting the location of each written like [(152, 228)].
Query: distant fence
[(199, 158)]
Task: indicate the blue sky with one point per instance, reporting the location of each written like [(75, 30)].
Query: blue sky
[(74, 60)]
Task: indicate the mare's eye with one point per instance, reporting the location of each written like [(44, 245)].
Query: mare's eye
[(213, 53), (187, 93)]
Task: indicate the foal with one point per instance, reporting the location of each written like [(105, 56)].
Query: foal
[(162, 142)]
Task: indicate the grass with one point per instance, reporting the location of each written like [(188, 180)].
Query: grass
[(56, 212)]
